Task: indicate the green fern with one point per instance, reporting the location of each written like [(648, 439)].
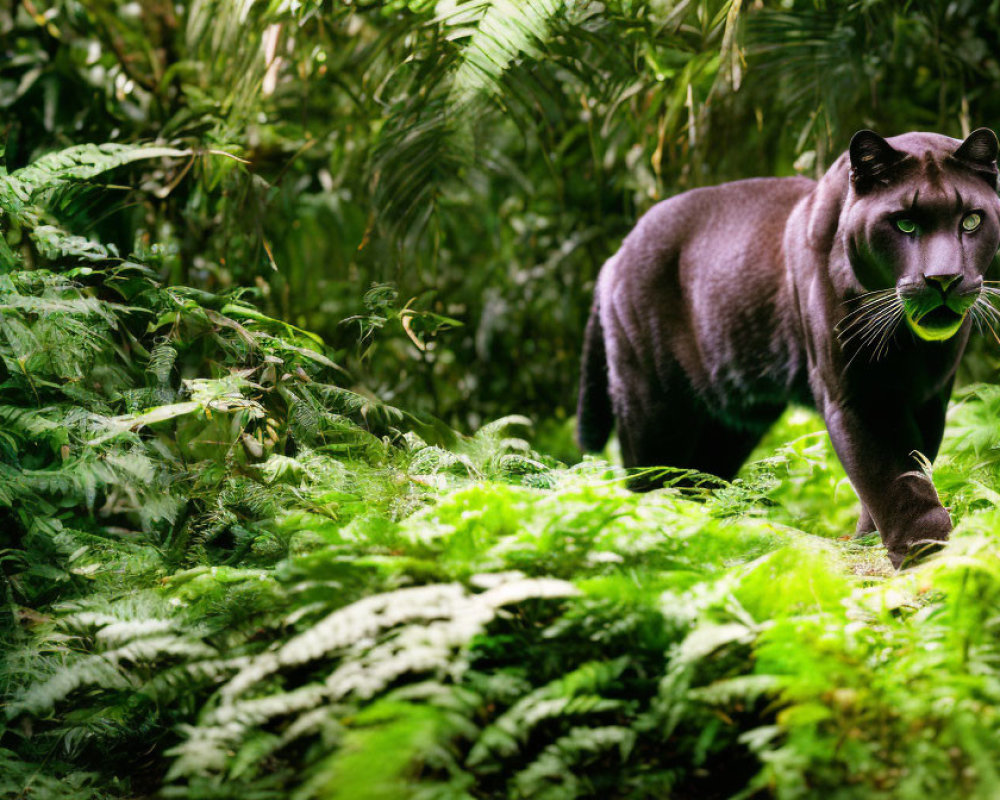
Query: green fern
[(73, 165)]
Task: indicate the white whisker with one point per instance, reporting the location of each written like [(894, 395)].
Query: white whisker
[(890, 333), (974, 313), (869, 306), (873, 327), (869, 323)]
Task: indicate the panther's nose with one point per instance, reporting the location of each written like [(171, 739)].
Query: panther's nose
[(943, 281)]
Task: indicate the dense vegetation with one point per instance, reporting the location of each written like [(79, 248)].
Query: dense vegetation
[(241, 553)]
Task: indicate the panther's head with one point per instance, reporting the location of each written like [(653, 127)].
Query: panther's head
[(921, 224)]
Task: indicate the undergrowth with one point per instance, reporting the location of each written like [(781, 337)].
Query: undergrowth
[(228, 574)]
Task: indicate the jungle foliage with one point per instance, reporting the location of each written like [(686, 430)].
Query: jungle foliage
[(483, 158), (240, 558)]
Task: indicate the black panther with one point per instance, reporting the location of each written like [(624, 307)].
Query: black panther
[(855, 294)]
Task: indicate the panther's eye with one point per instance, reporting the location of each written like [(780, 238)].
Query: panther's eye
[(971, 222), (909, 226)]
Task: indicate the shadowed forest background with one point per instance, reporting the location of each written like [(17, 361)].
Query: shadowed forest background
[(291, 302), (477, 161)]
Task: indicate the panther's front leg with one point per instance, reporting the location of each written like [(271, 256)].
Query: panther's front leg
[(930, 419), (876, 446)]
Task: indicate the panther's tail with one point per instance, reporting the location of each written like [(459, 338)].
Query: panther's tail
[(594, 417)]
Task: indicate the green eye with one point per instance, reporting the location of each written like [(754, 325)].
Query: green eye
[(971, 222), (909, 226)]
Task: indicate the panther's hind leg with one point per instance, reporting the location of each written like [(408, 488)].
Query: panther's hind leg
[(692, 440), (722, 448), (866, 525), (657, 427)]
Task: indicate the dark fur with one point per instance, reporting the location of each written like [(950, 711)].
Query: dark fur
[(723, 305)]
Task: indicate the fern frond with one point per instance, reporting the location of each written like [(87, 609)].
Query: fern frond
[(161, 362), (502, 31), (55, 244), (556, 772), (94, 670), (72, 165), (576, 694)]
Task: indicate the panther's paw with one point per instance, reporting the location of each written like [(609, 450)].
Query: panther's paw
[(916, 552)]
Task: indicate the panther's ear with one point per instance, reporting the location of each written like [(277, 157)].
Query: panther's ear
[(871, 157), (979, 153)]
